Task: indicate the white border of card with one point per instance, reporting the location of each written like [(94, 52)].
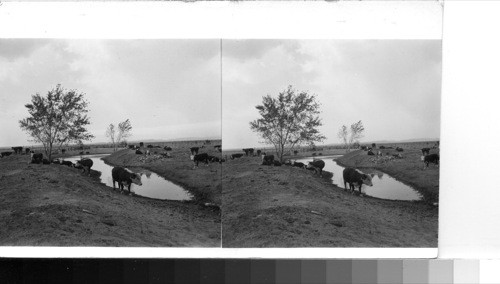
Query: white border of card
[(308, 20)]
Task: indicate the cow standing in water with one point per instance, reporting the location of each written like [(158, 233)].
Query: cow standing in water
[(124, 178), (355, 178)]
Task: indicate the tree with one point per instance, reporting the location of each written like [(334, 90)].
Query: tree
[(289, 120), (350, 136), (124, 129), (58, 118)]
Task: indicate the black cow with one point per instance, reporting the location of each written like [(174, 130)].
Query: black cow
[(150, 146), (194, 150), (18, 150), (399, 149), (86, 164), (432, 158), (277, 163), (131, 147), (364, 148), (370, 153), (36, 158), (214, 159), (5, 154), (81, 153), (317, 166), (27, 151), (298, 164), (124, 177), (45, 161), (267, 159), (259, 152), (381, 147), (426, 151), (203, 157), (248, 151), (67, 163), (166, 148), (353, 178), (138, 152), (235, 156)]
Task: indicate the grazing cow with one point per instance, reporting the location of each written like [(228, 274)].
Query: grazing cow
[(27, 151), (234, 156), (194, 150), (370, 153), (86, 164), (214, 159), (138, 152), (124, 178), (364, 148), (81, 153), (259, 152), (63, 151), (87, 152), (131, 147), (141, 144), (426, 151), (36, 158), (399, 149), (353, 178), (248, 151), (298, 164), (432, 158), (166, 148), (317, 166), (17, 150), (267, 159), (67, 163), (5, 154), (277, 163), (203, 157)]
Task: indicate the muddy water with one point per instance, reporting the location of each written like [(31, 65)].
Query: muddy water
[(384, 186), (153, 185)]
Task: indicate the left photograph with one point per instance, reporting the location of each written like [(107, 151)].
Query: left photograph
[(110, 143)]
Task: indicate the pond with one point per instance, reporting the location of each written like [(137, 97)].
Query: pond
[(153, 185), (384, 186)]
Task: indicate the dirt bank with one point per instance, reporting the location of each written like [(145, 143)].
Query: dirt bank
[(289, 207), (409, 170), (204, 182), (54, 205)]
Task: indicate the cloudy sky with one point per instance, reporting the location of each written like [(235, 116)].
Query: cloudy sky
[(393, 86), (168, 89)]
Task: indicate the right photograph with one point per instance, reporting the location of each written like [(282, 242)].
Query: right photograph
[(330, 143)]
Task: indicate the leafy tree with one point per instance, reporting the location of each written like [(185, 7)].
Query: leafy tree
[(58, 118), (351, 135), (289, 120), (118, 135)]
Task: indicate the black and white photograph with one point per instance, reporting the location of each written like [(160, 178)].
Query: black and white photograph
[(331, 143), (110, 143)]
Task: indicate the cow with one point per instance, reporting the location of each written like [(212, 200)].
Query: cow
[(287, 163), (203, 157), (267, 159), (298, 164), (259, 152), (150, 146), (353, 178), (132, 147), (214, 159), (397, 156), (67, 163), (432, 158), (276, 163), (317, 166), (141, 144), (63, 151), (17, 150), (87, 152), (166, 148), (27, 151), (81, 153), (36, 158), (399, 149), (5, 154), (194, 150), (138, 152), (370, 153), (381, 147), (86, 164), (56, 161), (248, 151), (426, 151), (364, 148), (235, 156), (124, 178)]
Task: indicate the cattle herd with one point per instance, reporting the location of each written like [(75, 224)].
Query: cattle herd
[(426, 157)]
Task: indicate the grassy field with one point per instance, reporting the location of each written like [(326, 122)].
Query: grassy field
[(265, 206), (55, 205)]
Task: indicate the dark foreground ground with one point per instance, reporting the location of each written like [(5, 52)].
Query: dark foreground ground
[(289, 207), (53, 205)]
